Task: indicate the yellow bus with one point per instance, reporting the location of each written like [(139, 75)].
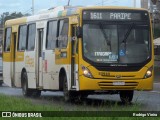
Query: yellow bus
[(80, 51)]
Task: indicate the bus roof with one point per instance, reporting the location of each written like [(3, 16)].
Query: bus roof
[(61, 12)]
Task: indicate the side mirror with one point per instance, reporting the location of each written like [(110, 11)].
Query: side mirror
[(79, 32)]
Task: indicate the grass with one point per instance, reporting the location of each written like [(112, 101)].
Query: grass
[(84, 118), (10, 103)]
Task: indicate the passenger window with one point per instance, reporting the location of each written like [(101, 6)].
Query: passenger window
[(51, 35), (31, 37), (22, 37), (7, 40), (63, 33)]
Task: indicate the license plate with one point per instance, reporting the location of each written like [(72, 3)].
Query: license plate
[(118, 83)]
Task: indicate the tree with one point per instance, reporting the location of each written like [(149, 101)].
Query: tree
[(6, 16), (13, 16), (154, 1), (2, 17)]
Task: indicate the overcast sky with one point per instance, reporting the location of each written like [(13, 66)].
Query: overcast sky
[(25, 6)]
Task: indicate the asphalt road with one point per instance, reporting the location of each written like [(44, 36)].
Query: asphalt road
[(143, 100)]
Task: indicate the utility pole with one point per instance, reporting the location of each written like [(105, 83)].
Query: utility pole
[(68, 2), (32, 7)]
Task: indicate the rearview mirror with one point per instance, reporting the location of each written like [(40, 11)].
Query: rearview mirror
[(79, 32)]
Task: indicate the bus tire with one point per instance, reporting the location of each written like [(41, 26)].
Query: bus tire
[(126, 96), (82, 96), (67, 94), (25, 90)]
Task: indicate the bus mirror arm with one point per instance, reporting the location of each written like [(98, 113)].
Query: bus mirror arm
[(79, 32)]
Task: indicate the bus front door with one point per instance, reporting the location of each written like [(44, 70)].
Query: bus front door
[(74, 58)]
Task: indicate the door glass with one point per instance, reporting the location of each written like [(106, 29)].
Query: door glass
[(40, 42), (15, 45)]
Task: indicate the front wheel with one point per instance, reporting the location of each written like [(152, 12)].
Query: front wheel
[(82, 95), (66, 92), (126, 96)]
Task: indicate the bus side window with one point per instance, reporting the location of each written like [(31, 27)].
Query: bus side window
[(7, 39), (63, 33), (51, 35), (22, 38), (31, 37)]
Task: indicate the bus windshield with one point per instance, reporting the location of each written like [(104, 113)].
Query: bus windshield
[(116, 43)]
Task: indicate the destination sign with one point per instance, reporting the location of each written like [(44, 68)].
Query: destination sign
[(114, 15)]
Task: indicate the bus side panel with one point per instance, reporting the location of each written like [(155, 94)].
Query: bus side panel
[(50, 71), (18, 69), (19, 65), (30, 67), (7, 73), (7, 59)]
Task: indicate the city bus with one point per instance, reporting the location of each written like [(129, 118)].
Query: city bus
[(80, 51)]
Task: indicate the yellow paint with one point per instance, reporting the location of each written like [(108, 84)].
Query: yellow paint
[(15, 28), (74, 20), (93, 84), (16, 22), (19, 57), (133, 80), (62, 60), (7, 57)]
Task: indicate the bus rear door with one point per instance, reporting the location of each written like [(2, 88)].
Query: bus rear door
[(39, 61)]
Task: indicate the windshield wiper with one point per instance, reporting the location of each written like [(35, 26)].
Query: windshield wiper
[(128, 33), (105, 36)]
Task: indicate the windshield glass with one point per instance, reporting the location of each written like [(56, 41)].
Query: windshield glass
[(117, 43)]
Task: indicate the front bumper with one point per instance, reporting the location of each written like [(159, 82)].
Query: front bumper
[(105, 84)]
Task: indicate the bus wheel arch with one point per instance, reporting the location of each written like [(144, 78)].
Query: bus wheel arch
[(27, 92), (24, 83), (63, 85), (22, 72), (62, 73)]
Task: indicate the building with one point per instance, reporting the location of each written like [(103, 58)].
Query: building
[(148, 4), (1, 35), (158, 5), (156, 10), (154, 7), (145, 4)]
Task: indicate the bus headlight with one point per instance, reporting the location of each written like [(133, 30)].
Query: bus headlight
[(149, 72), (86, 72)]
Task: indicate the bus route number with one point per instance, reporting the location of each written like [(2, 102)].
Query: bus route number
[(96, 16)]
